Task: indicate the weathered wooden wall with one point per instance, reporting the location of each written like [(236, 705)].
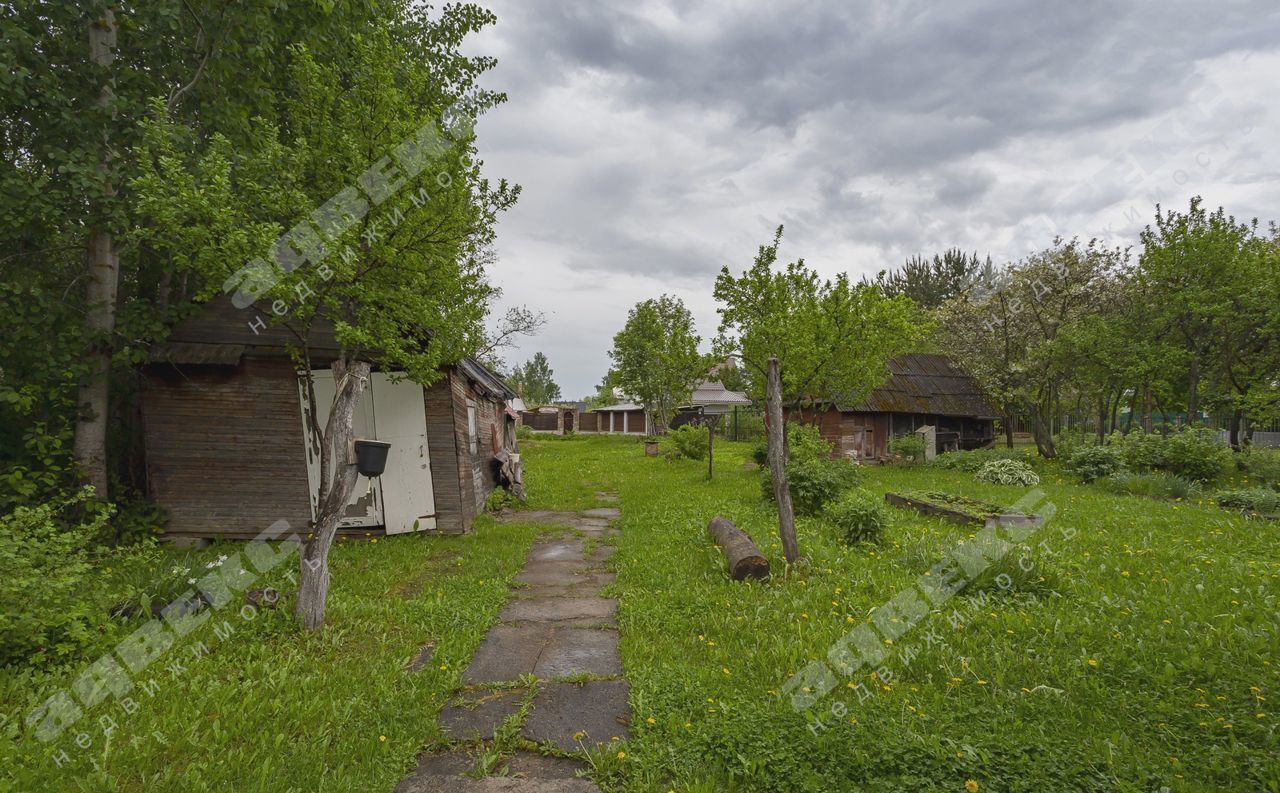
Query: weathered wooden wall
[(442, 449), (224, 447)]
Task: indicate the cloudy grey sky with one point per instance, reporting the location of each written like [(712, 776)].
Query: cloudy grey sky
[(659, 141)]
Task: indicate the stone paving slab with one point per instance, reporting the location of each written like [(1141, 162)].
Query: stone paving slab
[(560, 550), (479, 714), (602, 554), (541, 766), (603, 512), (561, 710), (493, 784), (561, 610), (561, 574), (585, 585), (507, 652), (579, 651)]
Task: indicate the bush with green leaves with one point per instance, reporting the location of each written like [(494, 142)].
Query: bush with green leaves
[(804, 443), (1262, 466), (1007, 472), (1151, 484), (814, 483), (1066, 443), (971, 461), (1095, 462), (1140, 451), (1253, 501), (860, 516), (690, 442), (909, 447), (45, 612), (1195, 453)]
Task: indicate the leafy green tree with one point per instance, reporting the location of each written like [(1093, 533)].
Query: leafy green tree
[(932, 282), (534, 381), (392, 254), (1023, 341), (655, 356), (1199, 268), (82, 80), (804, 337)]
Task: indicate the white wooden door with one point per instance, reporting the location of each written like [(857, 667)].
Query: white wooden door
[(400, 417), (365, 507)]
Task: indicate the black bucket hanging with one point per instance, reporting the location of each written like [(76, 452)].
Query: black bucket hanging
[(371, 457)]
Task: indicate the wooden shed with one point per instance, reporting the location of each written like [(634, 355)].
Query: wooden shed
[(229, 450), (922, 390)]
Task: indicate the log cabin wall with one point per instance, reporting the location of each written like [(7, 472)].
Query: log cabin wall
[(225, 447)]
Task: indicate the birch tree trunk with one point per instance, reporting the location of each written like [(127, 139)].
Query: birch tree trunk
[(103, 271), (337, 480), (778, 463)]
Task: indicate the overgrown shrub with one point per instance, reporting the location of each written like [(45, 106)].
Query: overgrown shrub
[(1067, 442), (1262, 466), (1152, 484), (1195, 453), (859, 515), (804, 443), (44, 573), (1007, 472), (971, 461), (1095, 462), (1253, 500), (690, 442), (814, 483), (1140, 451), (909, 447), (524, 432)]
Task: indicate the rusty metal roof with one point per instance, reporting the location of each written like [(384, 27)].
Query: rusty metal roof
[(922, 383)]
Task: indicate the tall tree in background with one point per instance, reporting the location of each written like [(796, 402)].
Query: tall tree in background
[(655, 357), (535, 382), (803, 337), (1208, 276), (932, 282), (1022, 341)]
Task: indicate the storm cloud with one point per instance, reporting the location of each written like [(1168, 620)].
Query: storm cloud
[(659, 141)]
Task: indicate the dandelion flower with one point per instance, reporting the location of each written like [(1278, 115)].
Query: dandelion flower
[(382, 738), (971, 786)]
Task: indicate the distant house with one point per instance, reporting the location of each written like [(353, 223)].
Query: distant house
[(229, 449), (922, 390)]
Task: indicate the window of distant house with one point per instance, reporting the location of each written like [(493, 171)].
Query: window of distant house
[(473, 426)]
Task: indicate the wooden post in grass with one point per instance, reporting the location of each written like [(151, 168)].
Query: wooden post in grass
[(778, 463), (745, 559)]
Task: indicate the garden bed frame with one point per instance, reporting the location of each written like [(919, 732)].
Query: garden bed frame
[(938, 510)]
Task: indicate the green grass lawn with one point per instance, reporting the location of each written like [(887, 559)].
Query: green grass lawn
[(271, 708), (1140, 653)]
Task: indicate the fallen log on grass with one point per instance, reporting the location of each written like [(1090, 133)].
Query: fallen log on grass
[(745, 559)]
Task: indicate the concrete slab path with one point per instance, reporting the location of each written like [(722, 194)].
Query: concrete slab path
[(560, 629)]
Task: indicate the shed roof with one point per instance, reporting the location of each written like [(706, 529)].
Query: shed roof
[(220, 334), (924, 383), (713, 392)]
